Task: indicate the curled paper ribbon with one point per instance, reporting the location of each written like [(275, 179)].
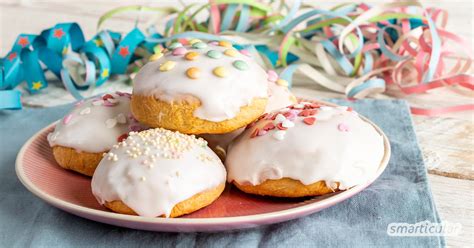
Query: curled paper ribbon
[(354, 49)]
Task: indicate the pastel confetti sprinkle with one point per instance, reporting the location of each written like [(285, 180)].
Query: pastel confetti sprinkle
[(287, 124), (246, 52), (240, 65), (282, 82), (231, 52), (193, 72), (279, 135), (192, 41), (214, 43), (175, 45), (220, 71), (214, 54), (343, 127), (85, 111), (199, 45), (155, 57), (110, 123), (309, 120), (191, 55), (179, 51), (272, 76), (67, 119), (224, 43), (168, 65), (279, 118)]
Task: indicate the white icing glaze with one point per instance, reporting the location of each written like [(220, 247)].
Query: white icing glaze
[(221, 98), (278, 97), (95, 125), (153, 170), (307, 152)]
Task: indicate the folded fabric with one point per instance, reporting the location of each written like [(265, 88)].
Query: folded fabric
[(400, 195)]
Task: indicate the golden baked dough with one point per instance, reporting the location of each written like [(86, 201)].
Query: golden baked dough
[(286, 187), (82, 162), (187, 206), (179, 115)]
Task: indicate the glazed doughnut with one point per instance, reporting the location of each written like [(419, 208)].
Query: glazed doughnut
[(201, 88), (90, 129), (279, 96), (159, 172), (305, 150)]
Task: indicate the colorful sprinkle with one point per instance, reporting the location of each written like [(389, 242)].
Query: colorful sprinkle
[(155, 57), (282, 82), (193, 72), (241, 65), (175, 45), (192, 41), (220, 71), (224, 43), (110, 123), (279, 118), (199, 45), (280, 126), (308, 112), (67, 119), (191, 55), (309, 120), (279, 135), (287, 124), (231, 52), (214, 43), (85, 111), (261, 132), (122, 137), (343, 127), (214, 54), (246, 53), (269, 126), (272, 76), (179, 51), (168, 65)]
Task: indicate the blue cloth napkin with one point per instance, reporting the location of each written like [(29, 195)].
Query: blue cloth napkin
[(401, 194)]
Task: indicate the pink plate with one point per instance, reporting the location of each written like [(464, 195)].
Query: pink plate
[(71, 192)]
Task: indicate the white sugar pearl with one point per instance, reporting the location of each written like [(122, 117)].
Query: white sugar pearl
[(110, 123), (121, 118), (85, 111), (279, 135), (287, 123)]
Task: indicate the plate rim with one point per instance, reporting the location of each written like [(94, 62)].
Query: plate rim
[(255, 218)]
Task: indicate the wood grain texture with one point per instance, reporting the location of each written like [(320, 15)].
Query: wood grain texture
[(447, 141)]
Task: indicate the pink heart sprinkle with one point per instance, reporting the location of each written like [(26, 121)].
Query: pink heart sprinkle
[(261, 132), (179, 51), (343, 127), (67, 119), (272, 76), (246, 53), (109, 104)]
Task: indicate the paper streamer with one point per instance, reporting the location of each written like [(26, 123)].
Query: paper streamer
[(355, 49)]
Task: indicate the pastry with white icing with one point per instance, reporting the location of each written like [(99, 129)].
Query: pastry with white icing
[(279, 96), (159, 172), (200, 88), (305, 150), (90, 129)]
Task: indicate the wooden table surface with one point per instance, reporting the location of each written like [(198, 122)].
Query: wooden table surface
[(447, 141)]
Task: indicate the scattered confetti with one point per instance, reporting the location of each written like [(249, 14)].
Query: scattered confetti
[(191, 55), (199, 45), (231, 52), (224, 43), (179, 51), (155, 56), (214, 54)]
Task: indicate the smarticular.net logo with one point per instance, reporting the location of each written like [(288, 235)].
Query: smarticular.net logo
[(424, 228)]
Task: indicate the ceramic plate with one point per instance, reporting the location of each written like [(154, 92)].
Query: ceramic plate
[(71, 192)]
